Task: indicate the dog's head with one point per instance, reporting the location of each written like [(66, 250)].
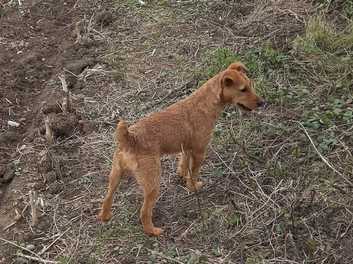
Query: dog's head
[(236, 88)]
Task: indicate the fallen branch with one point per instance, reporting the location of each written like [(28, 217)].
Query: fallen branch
[(36, 258), (322, 157), (52, 243)]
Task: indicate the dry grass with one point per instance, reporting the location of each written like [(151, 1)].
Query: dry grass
[(269, 198)]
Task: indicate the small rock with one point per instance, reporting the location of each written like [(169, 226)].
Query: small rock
[(13, 123)]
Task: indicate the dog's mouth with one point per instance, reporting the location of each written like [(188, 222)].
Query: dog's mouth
[(243, 107)]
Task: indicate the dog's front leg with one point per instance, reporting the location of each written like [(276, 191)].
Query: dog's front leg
[(195, 162), (183, 165)]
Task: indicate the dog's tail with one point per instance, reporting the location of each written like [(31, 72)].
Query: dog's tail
[(122, 135)]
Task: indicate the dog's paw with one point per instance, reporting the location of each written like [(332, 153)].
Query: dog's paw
[(105, 216), (154, 231), (196, 186)]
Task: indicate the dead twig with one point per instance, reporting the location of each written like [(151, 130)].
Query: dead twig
[(322, 157), (33, 200), (17, 217), (52, 243), (37, 257), (48, 131), (77, 30), (183, 235), (66, 99)]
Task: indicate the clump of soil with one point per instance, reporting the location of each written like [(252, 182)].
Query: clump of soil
[(6, 174)]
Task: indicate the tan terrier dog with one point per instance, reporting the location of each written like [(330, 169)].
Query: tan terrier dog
[(185, 127)]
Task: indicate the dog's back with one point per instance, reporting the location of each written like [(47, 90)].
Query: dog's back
[(175, 128), (161, 132)]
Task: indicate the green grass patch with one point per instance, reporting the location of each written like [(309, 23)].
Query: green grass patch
[(314, 81), (318, 72), (324, 56), (345, 7), (260, 61), (319, 69), (320, 36), (263, 63)]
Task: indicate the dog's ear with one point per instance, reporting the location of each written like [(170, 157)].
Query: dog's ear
[(238, 66), (227, 81)]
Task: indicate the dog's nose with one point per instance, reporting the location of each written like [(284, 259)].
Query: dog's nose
[(261, 103)]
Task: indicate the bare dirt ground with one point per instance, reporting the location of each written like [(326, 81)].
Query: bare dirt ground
[(269, 198)]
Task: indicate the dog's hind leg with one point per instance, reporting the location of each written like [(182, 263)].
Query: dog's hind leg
[(114, 180), (148, 176)]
